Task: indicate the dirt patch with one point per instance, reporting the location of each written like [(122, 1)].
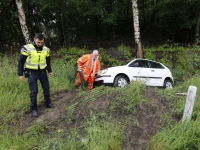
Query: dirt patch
[(148, 121), (101, 103), (145, 123), (50, 114)]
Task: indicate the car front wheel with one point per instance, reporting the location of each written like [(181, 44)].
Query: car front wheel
[(120, 81), (168, 84)]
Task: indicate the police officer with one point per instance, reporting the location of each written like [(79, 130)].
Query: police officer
[(35, 59)]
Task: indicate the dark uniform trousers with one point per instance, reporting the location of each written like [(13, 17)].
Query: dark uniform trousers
[(33, 76)]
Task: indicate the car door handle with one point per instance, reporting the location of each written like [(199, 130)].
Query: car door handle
[(152, 70)]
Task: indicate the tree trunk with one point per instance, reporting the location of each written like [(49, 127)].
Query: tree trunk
[(22, 20), (137, 29), (197, 30)]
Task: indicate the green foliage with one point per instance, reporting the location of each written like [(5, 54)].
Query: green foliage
[(15, 101), (72, 53), (98, 130), (187, 64), (179, 136), (111, 61), (36, 130), (182, 135), (194, 81), (126, 102), (149, 54), (10, 87), (66, 22), (102, 135), (126, 51), (107, 60), (182, 61), (110, 19)]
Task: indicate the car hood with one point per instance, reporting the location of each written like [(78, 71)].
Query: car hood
[(113, 69)]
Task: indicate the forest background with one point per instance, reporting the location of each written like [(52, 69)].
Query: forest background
[(100, 23)]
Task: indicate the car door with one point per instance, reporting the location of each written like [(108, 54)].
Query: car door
[(140, 71), (156, 73), (145, 72)]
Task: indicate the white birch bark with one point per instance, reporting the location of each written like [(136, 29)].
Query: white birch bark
[(137, 29), (22, 20)]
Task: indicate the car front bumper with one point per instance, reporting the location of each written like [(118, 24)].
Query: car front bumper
[(104, 79)]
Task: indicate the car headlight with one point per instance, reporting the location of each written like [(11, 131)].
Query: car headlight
[(104, 71)]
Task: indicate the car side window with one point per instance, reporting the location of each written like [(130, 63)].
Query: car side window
[(139, 63), (155, 65), (134, 64), (144, 64)]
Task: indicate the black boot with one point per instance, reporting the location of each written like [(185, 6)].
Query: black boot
[(35, 113), (49, 105)]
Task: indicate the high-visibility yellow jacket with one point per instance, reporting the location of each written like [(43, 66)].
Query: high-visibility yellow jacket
[(89, 66), (36, 59)]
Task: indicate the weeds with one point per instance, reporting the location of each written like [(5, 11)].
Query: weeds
[(180, 136), (98, 128)]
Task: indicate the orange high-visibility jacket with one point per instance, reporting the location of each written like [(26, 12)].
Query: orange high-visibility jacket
[(89, 68)]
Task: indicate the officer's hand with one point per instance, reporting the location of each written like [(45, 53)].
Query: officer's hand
[(50, 74), (21, 78)]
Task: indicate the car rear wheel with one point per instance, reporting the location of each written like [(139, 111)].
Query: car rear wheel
[(120, 81), (168, 84)]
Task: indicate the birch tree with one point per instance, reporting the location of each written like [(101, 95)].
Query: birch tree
[(137, 29), (22, 20)]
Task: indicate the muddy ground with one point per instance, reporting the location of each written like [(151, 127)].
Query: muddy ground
[(148, 116)]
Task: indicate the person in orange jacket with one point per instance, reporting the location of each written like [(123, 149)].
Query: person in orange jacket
[(89, 65)]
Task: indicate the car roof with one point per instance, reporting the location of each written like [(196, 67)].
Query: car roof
[(142, 59), (146, 59)]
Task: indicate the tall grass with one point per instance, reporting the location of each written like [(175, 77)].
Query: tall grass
[(97, 129), (15, 99), (102, 135), (15, 94), (182, 136)]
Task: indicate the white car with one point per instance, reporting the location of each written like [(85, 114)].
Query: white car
[(150, 72)]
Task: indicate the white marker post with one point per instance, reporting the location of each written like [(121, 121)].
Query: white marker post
[(189, 104)]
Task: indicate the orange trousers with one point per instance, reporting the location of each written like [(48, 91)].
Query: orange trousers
[(90, 82)]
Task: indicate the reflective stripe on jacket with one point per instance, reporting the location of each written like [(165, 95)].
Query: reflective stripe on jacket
[(89, 68), (36, 59)]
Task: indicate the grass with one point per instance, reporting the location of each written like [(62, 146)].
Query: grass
[(96, 129), (15, 102), (180, 136)]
